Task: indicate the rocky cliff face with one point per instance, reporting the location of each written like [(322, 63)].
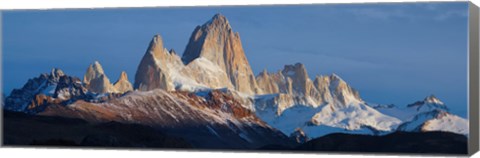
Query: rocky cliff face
[(163, 69), (271, 83), (216, 42), (152, 72), (96, 81), (123, 85), (214, 58), (341, 92), (299, 82), (296, 88)]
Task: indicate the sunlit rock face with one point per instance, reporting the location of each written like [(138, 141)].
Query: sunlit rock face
[(163, 69), (123, 85), (152, 72), (96, 80), (216, 42)]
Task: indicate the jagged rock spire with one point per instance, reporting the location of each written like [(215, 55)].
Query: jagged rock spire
[(152, 72), (216, 42), (95, 79), (268, 83), (300, 82), (95, 70), (123, 85)]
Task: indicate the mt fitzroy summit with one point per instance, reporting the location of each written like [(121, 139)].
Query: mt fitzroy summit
[(213, 58)]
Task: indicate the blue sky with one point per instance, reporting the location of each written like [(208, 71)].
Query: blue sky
[(392, 53)]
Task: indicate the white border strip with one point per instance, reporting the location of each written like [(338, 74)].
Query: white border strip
[(60, 4)]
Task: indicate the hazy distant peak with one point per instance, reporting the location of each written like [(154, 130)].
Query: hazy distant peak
[(334, 76), (298, 70), (434, 100), (56, 73)]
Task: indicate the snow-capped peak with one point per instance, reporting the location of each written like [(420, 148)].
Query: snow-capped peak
[(46, 89), (436, 120), (428, 104), (433, 100)]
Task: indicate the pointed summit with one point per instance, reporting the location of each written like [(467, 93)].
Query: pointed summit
[(57, 73), (96, 80), (216, 42), (298, 81), (435, 120), (219, 21), (95, 70), (219, 16), (152, 72), (428, 104), (123, 85), (335, 77), (342, 91), (433, 100), (123, 76), (172, 51), (156, 46), (294, 71), (264, 72), (268, 83), (216, 29)]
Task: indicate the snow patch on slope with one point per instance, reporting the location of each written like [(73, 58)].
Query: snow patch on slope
[(436, 120), (448, 123), (353, 117)]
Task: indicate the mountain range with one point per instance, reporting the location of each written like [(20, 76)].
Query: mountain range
[(210, 97)]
